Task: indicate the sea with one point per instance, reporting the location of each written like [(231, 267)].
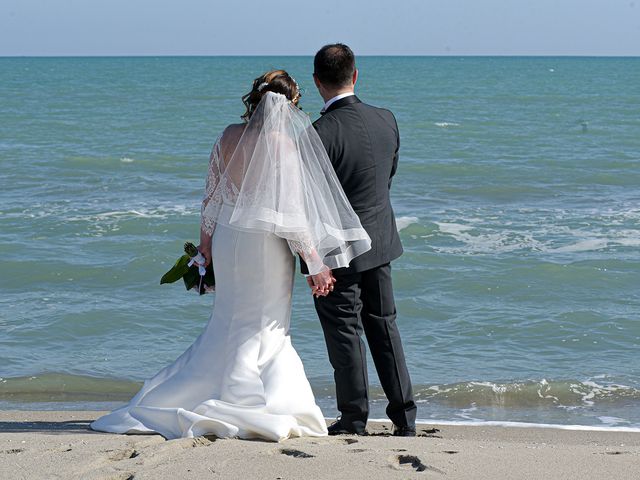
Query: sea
[(517, 197)]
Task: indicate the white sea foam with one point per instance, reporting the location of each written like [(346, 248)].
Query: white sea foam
[(453, 228), (466, 412), (404, 222), (597, 240), (494, 387), (160, 212), (543, 391), (475, 241), (485, 423), (126, 160), (632, 239), (546, 232), (573, 394), (126, 213), (446, 124), (612, 421), (582, 246), (604, 390)]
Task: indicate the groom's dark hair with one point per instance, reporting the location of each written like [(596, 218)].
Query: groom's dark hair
[(334, 65)]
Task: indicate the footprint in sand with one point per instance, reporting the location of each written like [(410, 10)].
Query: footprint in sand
[(109, 474), (120, 476), (124, 454), (14, 450), (404, 462), (429, 432), (295, 453)]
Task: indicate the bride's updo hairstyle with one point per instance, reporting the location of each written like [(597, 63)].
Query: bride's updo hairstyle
[(277, 81)]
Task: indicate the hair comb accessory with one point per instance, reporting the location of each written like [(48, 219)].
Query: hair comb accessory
[(297, 95), (262, 85)]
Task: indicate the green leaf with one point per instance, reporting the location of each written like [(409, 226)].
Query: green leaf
[(177, 271)]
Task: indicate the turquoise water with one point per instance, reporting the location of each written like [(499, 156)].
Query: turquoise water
[(517, 195)]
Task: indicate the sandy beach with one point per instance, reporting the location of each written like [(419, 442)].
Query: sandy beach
[(59, 445)]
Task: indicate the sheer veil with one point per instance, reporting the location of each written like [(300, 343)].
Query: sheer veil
[(279, 179)]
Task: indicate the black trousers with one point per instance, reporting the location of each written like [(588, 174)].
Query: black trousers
[(363, 301)]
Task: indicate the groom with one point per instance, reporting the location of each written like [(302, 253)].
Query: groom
[(362, 142)]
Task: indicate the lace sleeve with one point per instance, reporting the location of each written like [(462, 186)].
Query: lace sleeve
[(211, 192), (303, 247)]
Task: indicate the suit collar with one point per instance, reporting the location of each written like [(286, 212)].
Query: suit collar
[(351, 99)]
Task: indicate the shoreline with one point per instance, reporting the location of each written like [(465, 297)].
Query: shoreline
[(475, 423), (106, 407), (59, 444), (508, 424)]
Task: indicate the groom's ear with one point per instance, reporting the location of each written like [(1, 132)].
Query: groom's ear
[(316, 81), (355, 76)]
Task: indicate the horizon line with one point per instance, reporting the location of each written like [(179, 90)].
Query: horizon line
[(444, 55)]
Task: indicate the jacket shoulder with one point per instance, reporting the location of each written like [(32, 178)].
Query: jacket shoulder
[(325, 124), (383, 112), (384, 115)]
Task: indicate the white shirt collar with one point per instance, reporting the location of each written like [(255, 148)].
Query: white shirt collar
[(335, 99)]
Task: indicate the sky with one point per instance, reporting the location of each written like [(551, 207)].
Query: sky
[(287, 27)]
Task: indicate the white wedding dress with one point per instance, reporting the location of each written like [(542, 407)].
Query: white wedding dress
[(242, 377)]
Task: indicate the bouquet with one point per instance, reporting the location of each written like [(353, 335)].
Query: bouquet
[(190, 268)]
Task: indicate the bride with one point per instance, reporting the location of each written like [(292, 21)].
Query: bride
[(271, 193)]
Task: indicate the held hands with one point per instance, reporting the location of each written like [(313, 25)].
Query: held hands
[(322, 283)]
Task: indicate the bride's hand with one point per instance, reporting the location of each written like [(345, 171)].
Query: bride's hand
[(206, 253), (313, 288), (322, 283)]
